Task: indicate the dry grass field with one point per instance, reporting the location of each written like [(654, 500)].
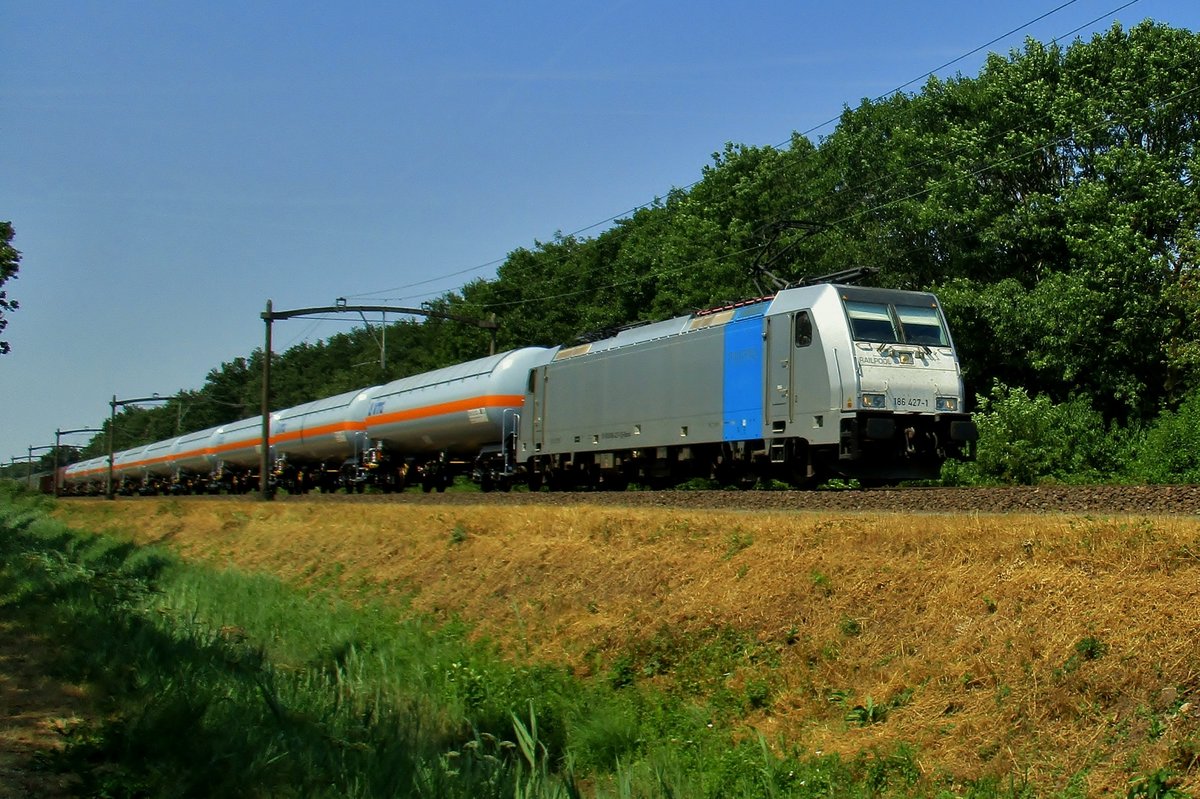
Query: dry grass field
[(1049, 647)]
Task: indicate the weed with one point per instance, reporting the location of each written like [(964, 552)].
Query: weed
[(1090, 648), (1160, 784), (758, 694), (1003, 692), (821, 582), (620, 675), (601, 740), (1155, 725), (838, 484), (458, 535), (896, 771), (867, 713), (838, 696), (698, 484), (1186, 754), (773, 485), (736, 542), (901, 698), (850, 627)]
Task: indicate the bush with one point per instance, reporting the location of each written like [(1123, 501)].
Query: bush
[(1169, 450), (1027, 440)]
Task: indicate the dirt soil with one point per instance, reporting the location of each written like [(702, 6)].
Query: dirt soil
[(1055, 646), (34, 708)]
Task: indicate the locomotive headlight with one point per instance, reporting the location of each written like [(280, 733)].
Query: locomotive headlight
[(875, 401), (947, 404)]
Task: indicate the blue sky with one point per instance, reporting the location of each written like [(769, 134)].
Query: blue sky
[(169, 166)]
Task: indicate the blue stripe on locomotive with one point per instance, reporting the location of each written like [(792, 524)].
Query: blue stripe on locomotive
[(742, 401)]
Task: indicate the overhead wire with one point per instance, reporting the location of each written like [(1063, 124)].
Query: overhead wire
[(687, 187), (844, 220), (999, 134), (857, 215)]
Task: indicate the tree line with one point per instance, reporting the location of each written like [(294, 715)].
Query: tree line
[(1050, 202)]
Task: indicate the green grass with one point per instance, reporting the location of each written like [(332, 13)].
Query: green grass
[(225, 684)]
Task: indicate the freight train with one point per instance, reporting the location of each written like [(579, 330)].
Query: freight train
[(815, 382)]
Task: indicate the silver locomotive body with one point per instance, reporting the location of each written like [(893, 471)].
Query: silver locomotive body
[(815, 382)]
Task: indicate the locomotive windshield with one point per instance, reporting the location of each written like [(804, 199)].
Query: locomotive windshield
[(885, 323)]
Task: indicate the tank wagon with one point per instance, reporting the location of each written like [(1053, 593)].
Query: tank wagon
[(84, 477), (814, 382), (429, 427), (422, 429), (320, 444), (192, 461)]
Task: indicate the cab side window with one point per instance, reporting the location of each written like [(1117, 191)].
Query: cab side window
[(803, 328)]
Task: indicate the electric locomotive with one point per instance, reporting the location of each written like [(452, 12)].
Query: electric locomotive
[(815, 382)]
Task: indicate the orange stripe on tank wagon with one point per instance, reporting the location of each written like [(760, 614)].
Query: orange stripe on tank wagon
[(322, 430), (427, 411)]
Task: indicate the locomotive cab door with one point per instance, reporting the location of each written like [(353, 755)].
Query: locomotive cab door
[(531, 418), (779, 370), (799, 393), (814, 398)]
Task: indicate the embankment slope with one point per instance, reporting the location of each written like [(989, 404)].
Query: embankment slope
[(1050, 647)]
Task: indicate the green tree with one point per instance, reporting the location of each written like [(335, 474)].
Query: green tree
[(10, 260), (1051, 203)]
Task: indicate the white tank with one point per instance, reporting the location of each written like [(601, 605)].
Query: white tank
[(239, 443), (192, 453), (457, 409), (129, 464), (157, 458), (323, 430), (92, 470)]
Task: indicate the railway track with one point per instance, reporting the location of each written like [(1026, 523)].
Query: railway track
[(1107, 499)]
